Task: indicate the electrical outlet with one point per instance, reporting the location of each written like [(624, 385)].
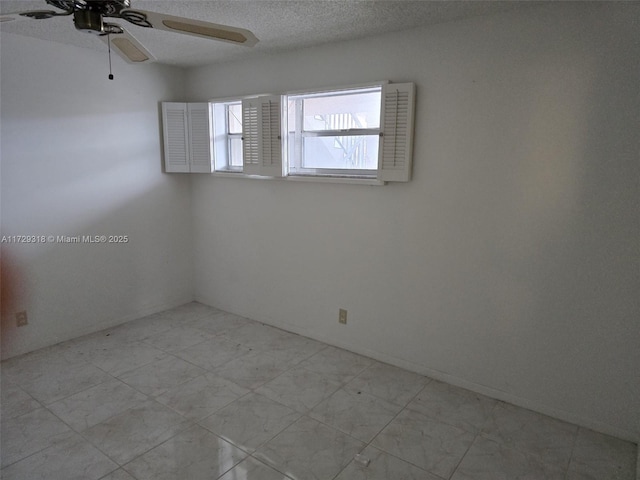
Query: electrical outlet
[(21, 319), (342, 316)]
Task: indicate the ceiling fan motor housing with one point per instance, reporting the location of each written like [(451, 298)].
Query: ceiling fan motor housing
[(88, 21), (88, 14)]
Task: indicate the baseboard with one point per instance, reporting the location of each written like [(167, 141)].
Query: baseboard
[(478, 388), (101, 325), (450, 379)]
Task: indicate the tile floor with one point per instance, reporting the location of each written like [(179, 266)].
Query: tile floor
[(194, 393)]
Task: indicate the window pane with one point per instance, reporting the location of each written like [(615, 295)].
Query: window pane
[(235, 152), (341, 152), (235, 118), (342, 111)]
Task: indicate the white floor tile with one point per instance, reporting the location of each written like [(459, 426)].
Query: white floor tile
[(390, 383), (378, 465), (135, 431), (453, 405), (15, 401), (124, 357), (70, 459), (336, 364), (531, 433), (310, 450), (356, 413), (202, 396), (250, 421), (600, 456), (489, 460), (252, 469), (299, 388), (97, 404), (29, 433), (431, 445), (251, 370), (218, 323), (194, 454), (161, 376), (119, 474), (196, 393), (177, 339)]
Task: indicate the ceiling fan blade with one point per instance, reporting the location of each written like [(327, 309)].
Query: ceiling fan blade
[(27, 15), (10, 17), (188, 26), (130, 49)]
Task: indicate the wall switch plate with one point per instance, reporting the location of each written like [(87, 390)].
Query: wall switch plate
[(342, 316), (21, 319)]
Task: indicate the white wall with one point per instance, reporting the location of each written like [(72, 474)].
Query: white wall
[(509, 264), (81, 156)]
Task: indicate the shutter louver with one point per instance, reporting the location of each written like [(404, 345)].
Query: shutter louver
[(250, 132), (271, 136), (175, 129), (200, 137), (396, 140)]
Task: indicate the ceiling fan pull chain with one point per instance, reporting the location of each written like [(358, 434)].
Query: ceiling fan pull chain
[(109, 44)]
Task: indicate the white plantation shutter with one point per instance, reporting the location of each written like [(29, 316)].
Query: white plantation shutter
[(396, 139), (250, 132), (176, 137), (262, 135), (199, 123), (271, 135)]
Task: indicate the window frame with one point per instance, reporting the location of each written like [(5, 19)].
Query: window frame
[(231, 136), (294, 142), (222, 136)]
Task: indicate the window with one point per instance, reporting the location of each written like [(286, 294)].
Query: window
[(227, 136), (361, 132), (334, 133), (247, 136), (234, 134)]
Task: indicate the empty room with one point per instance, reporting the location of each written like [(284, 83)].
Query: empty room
[(320, 239)]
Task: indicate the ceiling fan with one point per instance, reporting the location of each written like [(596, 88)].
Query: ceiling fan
[(89, 16)]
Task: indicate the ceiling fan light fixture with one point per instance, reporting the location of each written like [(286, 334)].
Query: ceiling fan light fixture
[(205, 31)]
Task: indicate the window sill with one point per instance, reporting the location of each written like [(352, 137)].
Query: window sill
[(304, 178), (334, 179)]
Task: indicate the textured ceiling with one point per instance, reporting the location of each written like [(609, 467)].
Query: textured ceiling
[(278, 24)]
